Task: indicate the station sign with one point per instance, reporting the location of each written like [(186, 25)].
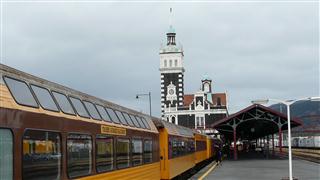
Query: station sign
[(113, 130)]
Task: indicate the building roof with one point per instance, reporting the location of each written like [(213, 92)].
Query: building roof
[(254, 122), (188, 99), (222, 96)]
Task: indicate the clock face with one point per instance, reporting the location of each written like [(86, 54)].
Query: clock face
[(171, 91)]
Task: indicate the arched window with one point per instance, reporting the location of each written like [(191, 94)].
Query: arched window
[(170, 63), (173, 120), (165, 63), (175, 63)]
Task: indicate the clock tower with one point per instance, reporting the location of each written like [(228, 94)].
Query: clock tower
[(172, 70)]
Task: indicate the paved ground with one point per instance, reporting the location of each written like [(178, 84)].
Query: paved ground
[(256, 167)]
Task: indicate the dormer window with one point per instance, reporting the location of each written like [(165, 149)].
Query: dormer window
[(175, 63), (218, 101), (170, 63), (165, 63)]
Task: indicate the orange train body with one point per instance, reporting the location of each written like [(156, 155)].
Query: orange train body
[(36, 134)]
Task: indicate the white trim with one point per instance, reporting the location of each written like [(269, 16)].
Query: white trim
[(171, 70), (193, 112), (180, 85), (180, 80), (180, 75), (180, 89)]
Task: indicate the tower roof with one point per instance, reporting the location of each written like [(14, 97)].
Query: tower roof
[(171, 29), (206, 77), (171, 45)]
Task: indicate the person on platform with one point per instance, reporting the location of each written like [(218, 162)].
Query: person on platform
[(219, 157)]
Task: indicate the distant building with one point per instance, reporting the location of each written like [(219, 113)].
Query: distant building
[(198, 110)]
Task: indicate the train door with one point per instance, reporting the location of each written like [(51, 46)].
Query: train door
[(6, 154)]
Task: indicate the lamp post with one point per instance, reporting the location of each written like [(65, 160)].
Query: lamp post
[(287, 103), (149, 94)]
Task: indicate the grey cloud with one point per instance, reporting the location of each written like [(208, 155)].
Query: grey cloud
[(110, 50)]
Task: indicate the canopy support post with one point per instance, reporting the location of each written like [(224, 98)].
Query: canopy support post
[(235, 143), (280, 139), (273, 144)]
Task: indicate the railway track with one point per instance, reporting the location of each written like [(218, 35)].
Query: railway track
[(306, 154)]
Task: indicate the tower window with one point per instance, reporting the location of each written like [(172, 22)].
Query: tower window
[(170, 63), (165, 63), (175, 63), (173, 120)]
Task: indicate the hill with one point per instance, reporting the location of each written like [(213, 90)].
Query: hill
[(307, 111)]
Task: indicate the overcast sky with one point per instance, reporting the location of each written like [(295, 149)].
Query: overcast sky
[(111, 50)]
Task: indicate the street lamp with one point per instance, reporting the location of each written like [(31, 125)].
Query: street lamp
[(149, 94), (287, 103)]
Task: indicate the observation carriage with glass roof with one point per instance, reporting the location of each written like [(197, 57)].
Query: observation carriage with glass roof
[(49, 131)]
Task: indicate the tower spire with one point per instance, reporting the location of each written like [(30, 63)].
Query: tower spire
[(170, 18), (171, 35)]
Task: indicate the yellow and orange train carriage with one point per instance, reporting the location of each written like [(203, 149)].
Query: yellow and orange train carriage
[(176, 149), (49, 131)]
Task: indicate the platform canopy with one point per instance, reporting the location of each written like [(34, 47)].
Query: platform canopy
[(255, 121)]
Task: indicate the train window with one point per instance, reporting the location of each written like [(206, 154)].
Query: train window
[(123, 153), (201, 145), (41, 155), (145, 122), (135, 121), (79, 148), (147, 151), (113, 115), (126, 116), (136, 152), (175, 148), (103, 113), (140, 121), (78, 105), (92, 110), (121, 118), (63, 103), (20, 92), (179, 147), (45, 99), (190, 146), (6, 154), (104, 153)]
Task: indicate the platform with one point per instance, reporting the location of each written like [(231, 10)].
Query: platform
[(255, 167)]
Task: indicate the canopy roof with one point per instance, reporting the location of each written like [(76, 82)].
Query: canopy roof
[(254, 122)]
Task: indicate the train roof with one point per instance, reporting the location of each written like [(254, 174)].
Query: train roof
[(141, 121), (173, 129)]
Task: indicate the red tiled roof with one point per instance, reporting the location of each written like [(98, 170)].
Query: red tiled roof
[(187, 99), (222, 96)]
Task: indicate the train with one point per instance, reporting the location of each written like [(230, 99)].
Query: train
[(49, 131), (311, 142)]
